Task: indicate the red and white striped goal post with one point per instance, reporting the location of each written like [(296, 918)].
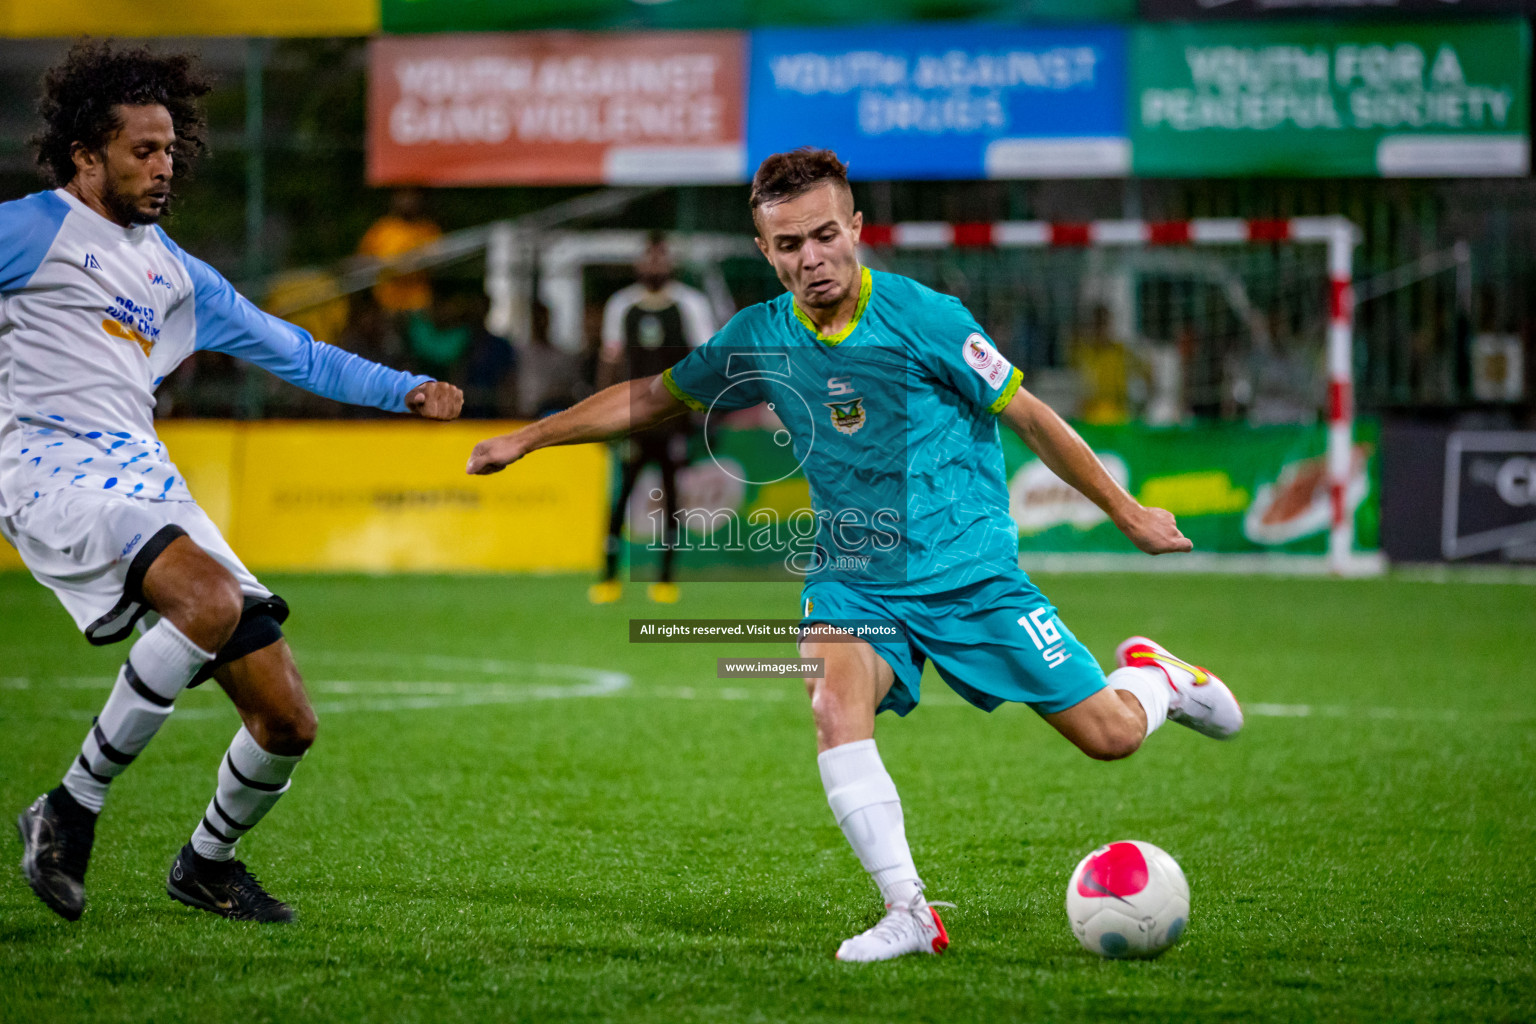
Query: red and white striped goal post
[(1338, 234)]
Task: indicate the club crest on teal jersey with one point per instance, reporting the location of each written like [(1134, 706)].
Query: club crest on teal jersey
[(847, 417)]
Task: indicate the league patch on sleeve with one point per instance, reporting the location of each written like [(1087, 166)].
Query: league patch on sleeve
[(987, 361)]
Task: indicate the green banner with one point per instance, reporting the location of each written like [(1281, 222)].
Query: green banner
[(1235, 490), (1326, 99), (515, 15)]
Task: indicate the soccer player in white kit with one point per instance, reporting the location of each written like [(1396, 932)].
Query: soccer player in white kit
[(97, 307)]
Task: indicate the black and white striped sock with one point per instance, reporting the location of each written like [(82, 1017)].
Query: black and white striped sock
[(160, 665), (251, 781)]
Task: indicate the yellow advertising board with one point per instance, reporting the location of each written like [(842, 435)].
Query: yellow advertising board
[(139, 18), (389, 497)]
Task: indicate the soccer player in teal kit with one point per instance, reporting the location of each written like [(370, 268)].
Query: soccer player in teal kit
[(909, 489)]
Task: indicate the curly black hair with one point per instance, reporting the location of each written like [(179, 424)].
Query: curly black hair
[(82, 92)]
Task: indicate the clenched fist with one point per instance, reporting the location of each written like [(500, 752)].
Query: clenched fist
[(435, 400), (494, 455), (1154, 531)]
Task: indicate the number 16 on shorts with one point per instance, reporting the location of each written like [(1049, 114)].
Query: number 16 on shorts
[(1041, 625)]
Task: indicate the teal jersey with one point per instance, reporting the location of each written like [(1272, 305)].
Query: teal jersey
[(893, 421)]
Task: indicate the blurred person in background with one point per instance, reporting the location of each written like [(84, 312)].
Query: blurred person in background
[(97, 307), (548, 379), (404, 228), (489, 368), (438, 337), (647, 328), (1104, 366), (1284, 376)]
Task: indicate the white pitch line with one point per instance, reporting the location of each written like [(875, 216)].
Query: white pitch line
[(556, 682), (344, 696)]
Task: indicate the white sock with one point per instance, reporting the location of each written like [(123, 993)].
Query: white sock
[(864, 802), (1150, 687), (251, 781), (160, 665)]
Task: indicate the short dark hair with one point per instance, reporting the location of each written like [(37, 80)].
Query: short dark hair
[(81, 94), (787, 175)]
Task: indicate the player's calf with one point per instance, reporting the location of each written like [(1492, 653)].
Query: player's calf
[(1105, 726), (289, 731)]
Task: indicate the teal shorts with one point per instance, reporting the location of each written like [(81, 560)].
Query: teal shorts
[(995, 641)]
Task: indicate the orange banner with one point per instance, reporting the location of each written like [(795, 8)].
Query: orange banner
[(544, 108)]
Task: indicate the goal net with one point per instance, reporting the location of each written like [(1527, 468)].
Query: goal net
[(1159, 338)]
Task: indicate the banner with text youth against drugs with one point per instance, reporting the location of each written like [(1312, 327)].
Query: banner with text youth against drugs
[(944, 101)]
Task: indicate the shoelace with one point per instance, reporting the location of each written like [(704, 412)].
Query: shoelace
[(70, 849), (248, 886), (893, 926)]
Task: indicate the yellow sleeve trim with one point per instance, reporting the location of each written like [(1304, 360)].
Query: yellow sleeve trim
[(1009, 390), (683, 396), (866, 287)]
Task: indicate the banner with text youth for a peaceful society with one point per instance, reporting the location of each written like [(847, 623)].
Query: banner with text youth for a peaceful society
[(944, 101), (1321, 99), (542, 108)]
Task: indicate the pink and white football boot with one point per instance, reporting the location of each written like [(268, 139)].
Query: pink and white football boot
[(1200, 700), (903, 929)]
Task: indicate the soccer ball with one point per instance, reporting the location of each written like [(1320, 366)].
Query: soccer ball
[(1127, 899)]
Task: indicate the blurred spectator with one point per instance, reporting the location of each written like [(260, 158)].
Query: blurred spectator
[(438, 337), (653, 322), (405, 227), (370, 332), (1282, 377), (489, 377), (1165, 384), (308, 298), (547, 378), (1104, 366), (647, 328)]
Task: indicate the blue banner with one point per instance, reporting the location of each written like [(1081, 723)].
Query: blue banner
[(944, 101)]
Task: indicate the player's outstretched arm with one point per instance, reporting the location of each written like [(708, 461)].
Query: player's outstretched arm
[(612, 412), (228, 322), (1063, 450)]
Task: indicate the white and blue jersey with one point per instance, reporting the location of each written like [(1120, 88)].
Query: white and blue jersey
[(93, 317)]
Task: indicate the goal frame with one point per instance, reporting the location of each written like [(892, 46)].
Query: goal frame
[(1337, 234)]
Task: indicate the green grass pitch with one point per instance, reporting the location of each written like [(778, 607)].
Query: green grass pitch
[(514, 814)]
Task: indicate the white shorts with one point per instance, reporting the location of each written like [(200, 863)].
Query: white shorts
[(92, 549)]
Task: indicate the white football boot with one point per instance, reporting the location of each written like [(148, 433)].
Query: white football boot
[(904, 929), (1200, 700)]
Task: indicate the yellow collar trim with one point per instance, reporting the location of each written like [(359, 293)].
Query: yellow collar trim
[(866, 286)]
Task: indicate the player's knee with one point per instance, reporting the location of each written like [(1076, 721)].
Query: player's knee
[(289, 731), (210, 608)]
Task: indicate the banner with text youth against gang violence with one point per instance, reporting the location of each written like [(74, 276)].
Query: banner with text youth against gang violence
[(548, 108), (1319, 99), (944, 101)]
